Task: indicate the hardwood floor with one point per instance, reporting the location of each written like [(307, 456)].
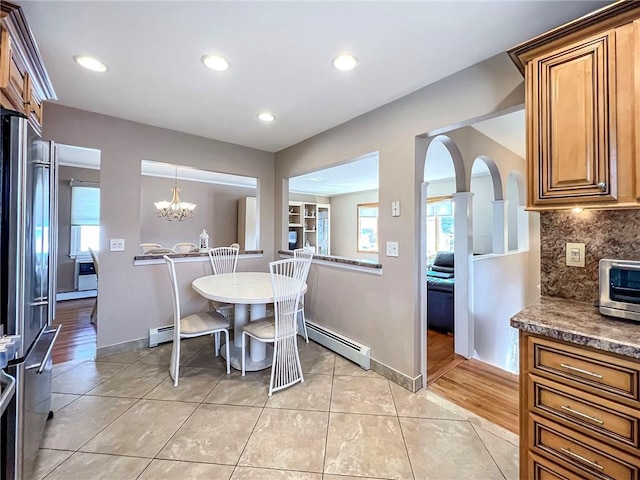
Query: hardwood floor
[(440, 355), (483, 389), (77, 339)]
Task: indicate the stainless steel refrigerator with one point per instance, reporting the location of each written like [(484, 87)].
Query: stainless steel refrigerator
[(27, 285)]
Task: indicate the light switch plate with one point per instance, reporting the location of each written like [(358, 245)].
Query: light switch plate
[(575, 255), (392, 249), (395, 209), (116, 245)]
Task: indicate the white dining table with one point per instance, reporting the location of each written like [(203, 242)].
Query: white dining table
[(242, 289)]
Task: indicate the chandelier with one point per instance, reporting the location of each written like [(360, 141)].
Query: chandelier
[(175, 209)]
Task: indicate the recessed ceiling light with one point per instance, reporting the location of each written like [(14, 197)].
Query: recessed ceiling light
[(266, 117), (215, 62), (90, 63), (345, 62)]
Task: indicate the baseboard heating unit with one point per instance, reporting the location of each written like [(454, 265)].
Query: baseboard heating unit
[(160, 335), (340, 344)]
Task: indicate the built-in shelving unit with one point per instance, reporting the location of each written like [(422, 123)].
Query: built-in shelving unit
[(309, 226)]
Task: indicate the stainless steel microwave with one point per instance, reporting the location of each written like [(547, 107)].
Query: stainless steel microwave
[(620, 288)]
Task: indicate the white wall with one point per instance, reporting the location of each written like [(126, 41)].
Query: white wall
[(482, 189), (344, 224), (512, 213), (500, 291)]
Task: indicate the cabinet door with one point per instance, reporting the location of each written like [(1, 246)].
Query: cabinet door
[(573, 123), (11, 77)]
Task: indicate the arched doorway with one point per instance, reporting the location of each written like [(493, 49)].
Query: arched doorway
[(445, 213)]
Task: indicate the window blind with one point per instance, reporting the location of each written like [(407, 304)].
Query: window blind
[(85, 205)]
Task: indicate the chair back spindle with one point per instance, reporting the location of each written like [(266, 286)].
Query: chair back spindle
[(224, 259)]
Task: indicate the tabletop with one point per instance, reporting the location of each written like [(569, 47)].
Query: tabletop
[(239, 287)]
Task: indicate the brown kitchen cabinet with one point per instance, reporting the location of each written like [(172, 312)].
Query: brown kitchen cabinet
[(582, 84), (579, 411), (24, 82)]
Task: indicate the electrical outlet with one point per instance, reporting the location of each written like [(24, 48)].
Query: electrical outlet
[(116, 245), (392, 249), (575, 255)]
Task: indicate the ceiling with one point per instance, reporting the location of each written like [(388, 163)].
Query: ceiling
[(359, 175), (280, 55)]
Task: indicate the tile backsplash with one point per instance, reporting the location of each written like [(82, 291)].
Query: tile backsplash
[(605, 233)]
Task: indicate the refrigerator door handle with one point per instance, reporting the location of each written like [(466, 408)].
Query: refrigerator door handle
[(8, 389), (39, 303), (43, 363)]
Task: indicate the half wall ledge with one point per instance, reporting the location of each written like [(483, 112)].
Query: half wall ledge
[(342, 262), (189, 257)]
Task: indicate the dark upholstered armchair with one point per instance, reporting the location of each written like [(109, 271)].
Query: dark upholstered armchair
[(440, 288)]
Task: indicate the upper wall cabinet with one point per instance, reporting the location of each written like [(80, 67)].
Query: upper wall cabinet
[(582, 147), (24, 82)]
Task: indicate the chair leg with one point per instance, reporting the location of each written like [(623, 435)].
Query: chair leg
[(297, 353), (243, 351), (94, 312), (304, 325), (226, 334), (174, 366), (217, 341), (273, 366)]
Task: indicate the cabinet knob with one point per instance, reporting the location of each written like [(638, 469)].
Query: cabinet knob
[(602, 186)]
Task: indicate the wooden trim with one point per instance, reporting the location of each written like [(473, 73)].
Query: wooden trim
[(439, 198), (607, 17), (525, 362), (26, 48), (636, 90), (5, 57)]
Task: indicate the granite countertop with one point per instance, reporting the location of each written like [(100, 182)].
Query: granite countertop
[(189, 255), (343, 260), (580, 323)]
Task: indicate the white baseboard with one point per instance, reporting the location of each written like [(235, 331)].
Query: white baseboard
[(76, 294)]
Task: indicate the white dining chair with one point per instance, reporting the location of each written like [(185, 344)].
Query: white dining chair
[(287, 281), (306, 254), (195, 325), (235, 245), (94, 311), (149, 246), (223, 260), (185, 247)]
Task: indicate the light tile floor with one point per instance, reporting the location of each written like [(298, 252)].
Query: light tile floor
[(121, 418)]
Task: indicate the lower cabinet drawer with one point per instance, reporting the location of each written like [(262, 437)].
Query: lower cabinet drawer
[(539, 468), (579, 453), (603, 375), (606, 420)]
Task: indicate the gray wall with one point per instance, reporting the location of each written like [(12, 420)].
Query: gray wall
[(132, 298), (66, 265), (384, 311), (216, 211), (344, 224)]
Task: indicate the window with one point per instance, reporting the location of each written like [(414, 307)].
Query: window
[(85, 218), (368, 227), (439, 225)]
